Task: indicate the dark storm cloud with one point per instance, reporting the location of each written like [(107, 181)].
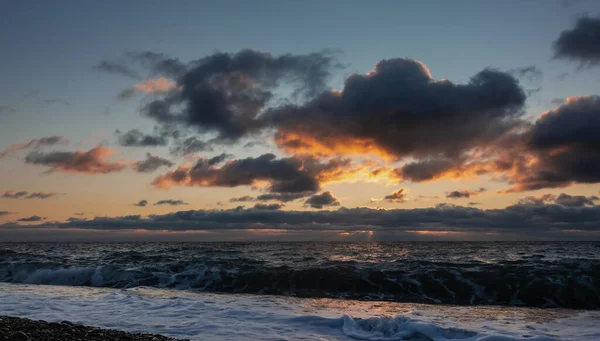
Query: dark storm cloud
[(271, 207), (31, 219), (464, 193), (286, 175), (135, 138), (563, 147), (581, 43), (26, 195), (171, 202), (575, 200), (322, 200), (117, 68), (33, 144), (224, 93), (525, 218), (394, 109), (151, 163), (398, 196), (425, 170), (141, 203), (90, 162)]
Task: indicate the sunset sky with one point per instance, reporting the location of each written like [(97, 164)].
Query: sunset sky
[(338, 120)]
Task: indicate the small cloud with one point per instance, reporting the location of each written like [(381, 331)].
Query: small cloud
[(472, 203), (465, 193), (57, 101), (321, 200), (170, 202), (141, 203), (33, 144), (90, 162), (398, 196), (6, 109), (271, 207), (243, 198), (31, 219), (151, 164)]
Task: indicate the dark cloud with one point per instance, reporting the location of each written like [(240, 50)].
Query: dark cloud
[(90, 162), (540, 200), (118, 69), (3, 213), (523, 218), (26, 195), (41, 195), (273, 206), (14, 195), (224, 93), (284, 197), (398, 196), (473, 203), (151, 164), (170, 202), (31, 219), (531, 73), (394, 110), (575, 200), (321, 200), (135, 138), (286, 175), (191, 145), (581, 43), (464, 193), (141, 203), (244, 198), (563, 147), (6, 109), (33, 144)]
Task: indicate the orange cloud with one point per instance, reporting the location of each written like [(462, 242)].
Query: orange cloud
[(151, 86)]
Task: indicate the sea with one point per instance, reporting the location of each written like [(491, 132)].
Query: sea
[(472, 291)]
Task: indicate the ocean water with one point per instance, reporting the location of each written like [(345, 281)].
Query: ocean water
[(311, 291)]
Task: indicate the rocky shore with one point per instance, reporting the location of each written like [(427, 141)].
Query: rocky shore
[(21, 329)]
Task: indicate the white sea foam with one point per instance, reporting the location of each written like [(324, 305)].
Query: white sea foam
[(205, 316)]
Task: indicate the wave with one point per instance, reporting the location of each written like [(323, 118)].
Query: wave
[(568, 285)]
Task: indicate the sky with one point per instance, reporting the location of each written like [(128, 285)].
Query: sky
[(283, 120)]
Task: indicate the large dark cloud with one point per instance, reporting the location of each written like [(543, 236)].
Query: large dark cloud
[(581, 43), (90, 162), (135, 138), (191, 145), (524, 218), (171, 202), (398, 109), (26, 195), (286, 175), (563, 147), (151, 163), (224, 93), (322, 200)]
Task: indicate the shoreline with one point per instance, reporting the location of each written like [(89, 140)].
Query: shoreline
[(24, 329)]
